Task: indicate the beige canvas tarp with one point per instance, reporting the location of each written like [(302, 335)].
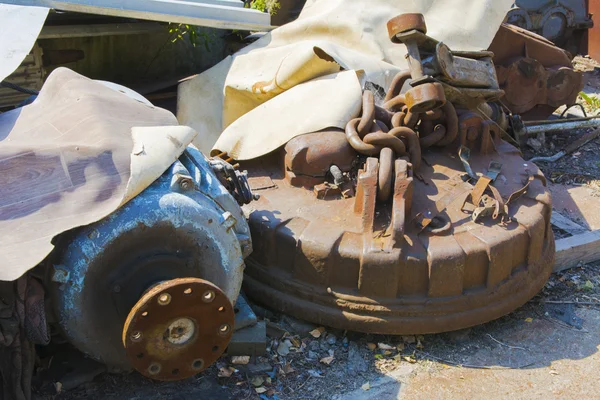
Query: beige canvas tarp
[(269, 92), (20, 26), (72, 157)]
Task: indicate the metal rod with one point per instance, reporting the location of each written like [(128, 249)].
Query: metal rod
[(588, 137), (553, 121), (561, 125), (221, 14)]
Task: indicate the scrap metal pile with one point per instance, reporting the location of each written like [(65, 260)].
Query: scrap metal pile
[(419, 218)]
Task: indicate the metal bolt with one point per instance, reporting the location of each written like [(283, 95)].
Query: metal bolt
[(228, 220), (182, 182), (154, 368), (185, 184)]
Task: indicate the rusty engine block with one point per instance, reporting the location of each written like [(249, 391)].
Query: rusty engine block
[(419, 218)]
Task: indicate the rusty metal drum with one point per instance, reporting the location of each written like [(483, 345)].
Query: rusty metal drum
[(418, 263)]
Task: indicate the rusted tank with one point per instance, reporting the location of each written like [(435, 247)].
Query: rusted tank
[(418, 218), (536, 75)]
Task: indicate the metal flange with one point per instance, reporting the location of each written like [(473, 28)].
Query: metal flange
[(178, 328)]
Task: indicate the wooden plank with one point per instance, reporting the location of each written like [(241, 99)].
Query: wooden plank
[(571, 251), (564, 223)]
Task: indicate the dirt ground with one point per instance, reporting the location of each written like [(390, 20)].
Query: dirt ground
[(546, 349)]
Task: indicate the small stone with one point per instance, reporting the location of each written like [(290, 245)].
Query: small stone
[(356, 364), (331, 339), (316, 333), (241, 360), (535, 144), (284, 347), (260, 368), (312, 355), (257, 381), (313, 346)]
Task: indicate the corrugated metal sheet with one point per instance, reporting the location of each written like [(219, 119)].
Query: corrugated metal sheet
[(29, 75)]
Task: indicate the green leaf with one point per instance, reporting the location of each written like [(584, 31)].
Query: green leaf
[(587, 98)]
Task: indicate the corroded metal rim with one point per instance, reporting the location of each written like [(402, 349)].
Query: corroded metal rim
[(178, 328), (400, 316)]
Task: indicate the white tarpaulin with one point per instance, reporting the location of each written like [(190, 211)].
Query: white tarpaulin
[(75, 155), (20, 28), (330, 36)]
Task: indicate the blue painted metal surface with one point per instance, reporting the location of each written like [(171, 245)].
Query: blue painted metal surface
[(556, 20), (183, 225)]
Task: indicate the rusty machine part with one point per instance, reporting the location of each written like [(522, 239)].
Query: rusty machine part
[(536, 76), (466, 78), (561, 21), (170, 258), (392, 235), (178, 328)]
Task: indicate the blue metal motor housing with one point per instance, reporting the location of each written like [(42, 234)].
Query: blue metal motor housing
[(186, 224)]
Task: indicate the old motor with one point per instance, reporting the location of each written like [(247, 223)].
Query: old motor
[(153, 284), (420, 217)]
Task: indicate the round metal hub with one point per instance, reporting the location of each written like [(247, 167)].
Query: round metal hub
[(404, 23), (178, 328)]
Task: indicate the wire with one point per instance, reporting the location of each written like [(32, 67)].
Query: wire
[(18, 88), (571, 106)]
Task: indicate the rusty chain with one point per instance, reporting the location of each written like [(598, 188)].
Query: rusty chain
[(405, 134)]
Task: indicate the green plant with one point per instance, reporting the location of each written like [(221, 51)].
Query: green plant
[(270, 6), (195, 35), (592, 101)]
